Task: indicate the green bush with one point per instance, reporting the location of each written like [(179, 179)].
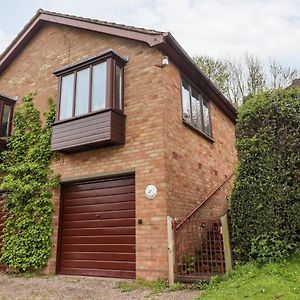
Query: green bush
[(269, 247), (265, 202), (27, 182)]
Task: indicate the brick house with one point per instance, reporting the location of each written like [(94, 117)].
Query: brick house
[(133, 110)]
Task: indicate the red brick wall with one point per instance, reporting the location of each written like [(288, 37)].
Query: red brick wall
[(143, 152), (159, 148), (195, 165)]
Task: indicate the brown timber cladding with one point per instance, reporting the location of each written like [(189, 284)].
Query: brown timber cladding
[(102, 128), (97, 235), (2, 216)]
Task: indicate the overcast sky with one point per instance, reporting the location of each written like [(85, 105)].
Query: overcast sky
[(267, 28)]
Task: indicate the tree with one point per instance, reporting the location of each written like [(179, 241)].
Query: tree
[(265, 202), (256, 77), (243, 77), (280, 76), (215, 69)]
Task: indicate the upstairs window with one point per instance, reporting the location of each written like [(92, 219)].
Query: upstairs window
[(195, 108), (93, 85), (6, 110)]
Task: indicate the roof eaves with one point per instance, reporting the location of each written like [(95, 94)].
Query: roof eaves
[(151, 37), (14, 43), (104, 23), (173, 48), (122, 31)]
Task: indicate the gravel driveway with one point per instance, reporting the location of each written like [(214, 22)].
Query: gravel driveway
[(74, 287)]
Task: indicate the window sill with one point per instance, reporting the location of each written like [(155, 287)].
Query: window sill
[(207, 137), (88, 114)]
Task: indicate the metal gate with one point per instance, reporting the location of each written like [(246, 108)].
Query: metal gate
[(199, 243), (199, 252)]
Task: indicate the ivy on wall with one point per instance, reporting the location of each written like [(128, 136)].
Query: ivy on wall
[(27, 182), (265, 202)]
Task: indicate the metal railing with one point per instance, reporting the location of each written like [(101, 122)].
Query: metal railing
[(196, 209), (198, 242), (199, 252)]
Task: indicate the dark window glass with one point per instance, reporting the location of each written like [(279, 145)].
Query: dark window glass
[(196, 110), (88, 87), (66, 98), (5, 120), (118, 88), (82, 92), (186, 102), (99, 87), (206, 117)]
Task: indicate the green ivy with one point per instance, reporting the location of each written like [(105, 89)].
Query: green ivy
[(27, 182), (265, 202)]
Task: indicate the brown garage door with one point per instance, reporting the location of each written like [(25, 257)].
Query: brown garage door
[(2, 215), (97, 228)]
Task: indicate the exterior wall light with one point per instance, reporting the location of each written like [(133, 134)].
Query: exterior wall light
[(164, 61)]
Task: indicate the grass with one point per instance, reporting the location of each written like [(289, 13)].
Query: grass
[(156, 287), (272, 281)]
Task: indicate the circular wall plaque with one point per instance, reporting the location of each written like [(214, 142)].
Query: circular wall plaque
[(151, 191)]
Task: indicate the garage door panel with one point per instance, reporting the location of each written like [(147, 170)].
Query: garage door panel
[(100, 207), (97, 185), (111, 265), (102, 256), (100, 200), (103, 215), (100, 231), (98, 248), (102, 192), (99, 272), (99, 223), (99, 239), (97, 233)]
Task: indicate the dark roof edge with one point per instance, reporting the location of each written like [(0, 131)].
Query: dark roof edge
[(175, 48), (10, 49), (162, 40), (150, 37), (104, 23)]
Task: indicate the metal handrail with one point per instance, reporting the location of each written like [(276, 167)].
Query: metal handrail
[(202, 202)]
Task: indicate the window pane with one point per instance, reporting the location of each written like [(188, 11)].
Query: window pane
[(186, 101), (66, 98), (5, 120), (206, 116), (118, 88), (99, 87), (196, 110), (82, 92)]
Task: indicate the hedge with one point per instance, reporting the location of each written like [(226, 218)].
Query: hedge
[(265, 202)]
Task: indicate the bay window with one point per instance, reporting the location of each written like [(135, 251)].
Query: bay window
[(90, 105), (92, 85)]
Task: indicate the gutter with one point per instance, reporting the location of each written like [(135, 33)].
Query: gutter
[(171, 47)]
